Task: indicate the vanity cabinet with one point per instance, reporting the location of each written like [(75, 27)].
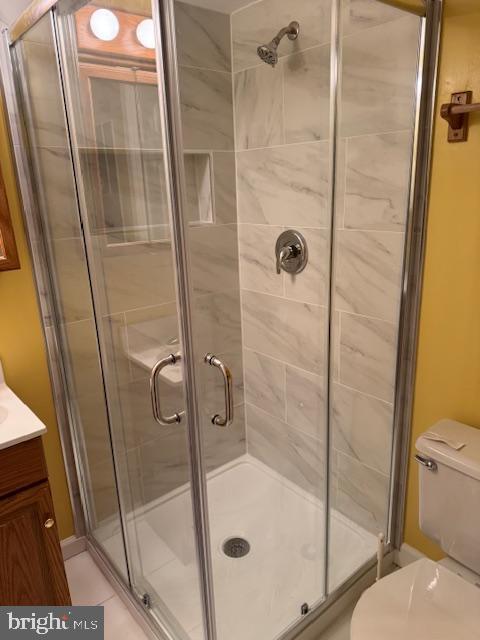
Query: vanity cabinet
[(31, 564)]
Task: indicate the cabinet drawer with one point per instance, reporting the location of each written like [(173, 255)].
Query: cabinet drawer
[(21, 466)]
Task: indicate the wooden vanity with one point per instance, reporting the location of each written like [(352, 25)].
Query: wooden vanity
[(31, 563)]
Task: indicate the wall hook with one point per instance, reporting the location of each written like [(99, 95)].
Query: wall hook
[(457, 113)]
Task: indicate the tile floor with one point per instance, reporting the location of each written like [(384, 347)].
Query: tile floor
[(88, 586)]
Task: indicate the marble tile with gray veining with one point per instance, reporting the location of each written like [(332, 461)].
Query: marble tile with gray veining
[(307, 95), (363, 14), (257, 258), (362, 427), (292, 453), (203, 37), (125, 277), (72, 279), (214, 258), (223, 445), (378, 181), (361, 493), (217, 323), (368, 355), (57, 187), (207, 109), (306, 402), (311, 284), (259, 107), (46, 119), (259, 22), (265, 383), (224, 187), (286, 185), (379, 74), (369, 273), (284, 329)]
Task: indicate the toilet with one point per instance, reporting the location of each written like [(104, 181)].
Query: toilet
[(429, 600)]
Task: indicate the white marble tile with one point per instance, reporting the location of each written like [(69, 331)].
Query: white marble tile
[(307, 95), (378, 181), (224, 187), (203, 37), (292, 453), (86, 582), (259, 22), (306, 402), (207, 109), (369, 273), (221, 446), (361, 493), (265, 383), (257, 258), (287, 185), (363, 14), (259, 107), (283, 329), (214, 258), (311, 284), (379, 68), (72, 279), (217, 323), (362, 427), (368, 355)]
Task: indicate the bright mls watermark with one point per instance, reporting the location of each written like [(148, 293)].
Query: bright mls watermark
[(56, 623)]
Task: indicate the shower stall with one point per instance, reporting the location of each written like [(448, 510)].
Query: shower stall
[(228, 256)]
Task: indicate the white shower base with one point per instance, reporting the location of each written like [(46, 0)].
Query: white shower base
[(258, 596)]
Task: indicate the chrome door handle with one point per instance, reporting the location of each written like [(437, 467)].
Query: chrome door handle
[(156, 408), (228, 387)]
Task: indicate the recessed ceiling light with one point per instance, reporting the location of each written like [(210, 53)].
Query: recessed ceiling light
[(146, 34), (104, 24)]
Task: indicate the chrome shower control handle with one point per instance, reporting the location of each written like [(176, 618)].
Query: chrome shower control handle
[(291, 252), (156, 408), (228, 389)]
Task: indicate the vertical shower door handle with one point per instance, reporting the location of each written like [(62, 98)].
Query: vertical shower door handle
[(156, 407), (228, 387)]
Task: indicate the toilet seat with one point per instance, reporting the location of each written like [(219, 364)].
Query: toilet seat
[(422, 601)]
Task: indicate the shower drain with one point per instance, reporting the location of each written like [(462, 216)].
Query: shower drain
[(236, 547)]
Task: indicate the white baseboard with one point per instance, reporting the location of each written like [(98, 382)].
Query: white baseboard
[(407, 555), (72, 546)]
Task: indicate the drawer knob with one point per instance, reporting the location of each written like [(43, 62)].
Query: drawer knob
[(49, 523)]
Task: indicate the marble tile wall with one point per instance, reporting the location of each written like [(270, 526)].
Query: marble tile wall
[(282, 141), (377, 107), (282, 131)]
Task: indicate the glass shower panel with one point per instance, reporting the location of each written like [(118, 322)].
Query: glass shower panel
[(116, 129), (266, 133), (42, 105), (376, 117)]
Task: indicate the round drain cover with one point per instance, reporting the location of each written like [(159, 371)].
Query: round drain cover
[(236, 547)]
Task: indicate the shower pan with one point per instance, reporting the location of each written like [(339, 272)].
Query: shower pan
[(228, 257)]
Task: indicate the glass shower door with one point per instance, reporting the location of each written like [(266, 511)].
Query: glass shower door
[(116, 131)]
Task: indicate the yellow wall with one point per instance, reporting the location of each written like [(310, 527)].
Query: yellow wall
[(448, 371), (22, 349)]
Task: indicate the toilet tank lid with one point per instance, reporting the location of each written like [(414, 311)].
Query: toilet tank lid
[(466, 460)]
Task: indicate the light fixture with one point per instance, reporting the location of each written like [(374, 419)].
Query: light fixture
[(145, 33), (104, 24)]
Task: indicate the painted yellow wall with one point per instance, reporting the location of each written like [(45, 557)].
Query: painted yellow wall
[(448, 371), (22, 348)]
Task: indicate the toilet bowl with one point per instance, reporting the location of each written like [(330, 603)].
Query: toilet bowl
[(422, 601), (429, 600)]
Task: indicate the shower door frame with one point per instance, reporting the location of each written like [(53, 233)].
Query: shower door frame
[(410, 304)]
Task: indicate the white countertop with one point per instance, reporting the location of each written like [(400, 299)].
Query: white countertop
[(17, 422)]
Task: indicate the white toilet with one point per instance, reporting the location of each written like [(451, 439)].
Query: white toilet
[(435, 600)]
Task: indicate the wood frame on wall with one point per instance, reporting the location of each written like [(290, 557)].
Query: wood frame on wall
[(8, 247)]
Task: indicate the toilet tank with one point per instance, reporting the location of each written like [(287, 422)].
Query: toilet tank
[(449, 490)]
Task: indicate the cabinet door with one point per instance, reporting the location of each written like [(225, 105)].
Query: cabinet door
[(31, 563)]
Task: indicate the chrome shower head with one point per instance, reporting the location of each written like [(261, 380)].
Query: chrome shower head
[(268, 52)]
